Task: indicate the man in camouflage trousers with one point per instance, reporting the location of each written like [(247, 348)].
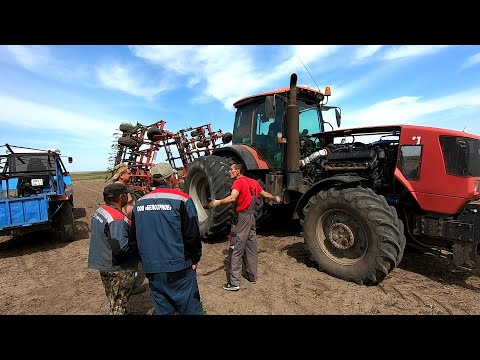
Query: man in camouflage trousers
[(122, 175), (110, 251)]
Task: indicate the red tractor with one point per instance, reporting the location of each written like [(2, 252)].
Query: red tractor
[(360, 194)]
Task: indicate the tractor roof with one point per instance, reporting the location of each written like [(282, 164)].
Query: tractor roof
[(301, 90)]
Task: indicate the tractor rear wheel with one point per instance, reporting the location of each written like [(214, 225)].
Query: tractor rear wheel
[(63, 228), (353, 234), (208, 177)]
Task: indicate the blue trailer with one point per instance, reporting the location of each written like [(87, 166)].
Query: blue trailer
[(36, 193)]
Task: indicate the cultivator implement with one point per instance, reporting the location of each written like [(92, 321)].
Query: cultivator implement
[(139, 145)]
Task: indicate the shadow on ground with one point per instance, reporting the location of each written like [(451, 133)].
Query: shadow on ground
[(437, 268), (82, 230), (29, 243), (300, 254), (79, 213), (40, 240)]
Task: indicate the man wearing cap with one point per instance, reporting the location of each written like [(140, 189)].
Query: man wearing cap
[(122, 175), (110, 251), (165, 227)]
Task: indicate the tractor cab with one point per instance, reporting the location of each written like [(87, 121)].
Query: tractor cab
[(260, 121)]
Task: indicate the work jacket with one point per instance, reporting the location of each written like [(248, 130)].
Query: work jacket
[(109, 244), (165, 228)]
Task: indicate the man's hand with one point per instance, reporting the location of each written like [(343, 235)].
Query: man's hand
[(278, 199), (212, 203)]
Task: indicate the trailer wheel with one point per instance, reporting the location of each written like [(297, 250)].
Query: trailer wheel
[(128, 142), (353, 234), (126, 128), (63, 227), (152, 132), (207, 177)]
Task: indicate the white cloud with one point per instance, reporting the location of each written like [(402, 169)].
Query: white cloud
[(409, 109), (408, 51), (230, 72), (365, 52), (182, 59), (309, 55), (24, 114), (32, 57), (471, 61), (118, 77), (40, 60)]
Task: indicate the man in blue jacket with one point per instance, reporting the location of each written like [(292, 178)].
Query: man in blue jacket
[(165, 227), (110, 250)]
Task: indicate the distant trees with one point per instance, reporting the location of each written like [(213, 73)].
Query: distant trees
[(116, 152)]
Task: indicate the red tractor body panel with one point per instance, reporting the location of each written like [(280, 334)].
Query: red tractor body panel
[(436, 190)]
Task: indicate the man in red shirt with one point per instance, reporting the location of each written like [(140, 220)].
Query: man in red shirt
[(243, 235)]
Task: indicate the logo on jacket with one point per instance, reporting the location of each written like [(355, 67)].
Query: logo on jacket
[(151, 207)]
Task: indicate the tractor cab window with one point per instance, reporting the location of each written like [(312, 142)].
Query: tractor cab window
[(410, 160), (27, 163), (461, 155), (310, 118), (265, 136), (243, 126)]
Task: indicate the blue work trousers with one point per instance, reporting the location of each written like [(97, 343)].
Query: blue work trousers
[(175, 292)]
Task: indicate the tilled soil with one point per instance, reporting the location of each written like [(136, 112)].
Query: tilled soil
[(39, 276)]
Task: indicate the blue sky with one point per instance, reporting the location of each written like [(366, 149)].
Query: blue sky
[(74, 97)]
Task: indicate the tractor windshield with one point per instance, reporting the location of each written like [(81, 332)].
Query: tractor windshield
[(253, 128), (29, 163)]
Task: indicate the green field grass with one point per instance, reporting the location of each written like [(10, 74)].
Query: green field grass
[(92, 175)]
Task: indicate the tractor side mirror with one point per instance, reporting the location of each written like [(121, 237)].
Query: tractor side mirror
[(338, 116), (70, 159), (270, 107)]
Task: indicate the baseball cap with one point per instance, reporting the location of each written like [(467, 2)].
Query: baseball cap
[(113, 191), (118, 170), (163, 169)]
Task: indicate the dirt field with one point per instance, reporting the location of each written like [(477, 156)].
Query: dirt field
[(38, 276)]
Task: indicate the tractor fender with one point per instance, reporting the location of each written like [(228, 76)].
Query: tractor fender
[(252, 159), (331, 182), (399, 176)]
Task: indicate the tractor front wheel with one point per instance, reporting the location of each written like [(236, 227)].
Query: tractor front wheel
[(353, 234)]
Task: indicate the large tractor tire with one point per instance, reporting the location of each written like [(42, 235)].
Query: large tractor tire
[(207, 177), (63, 228), (353, 234)]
